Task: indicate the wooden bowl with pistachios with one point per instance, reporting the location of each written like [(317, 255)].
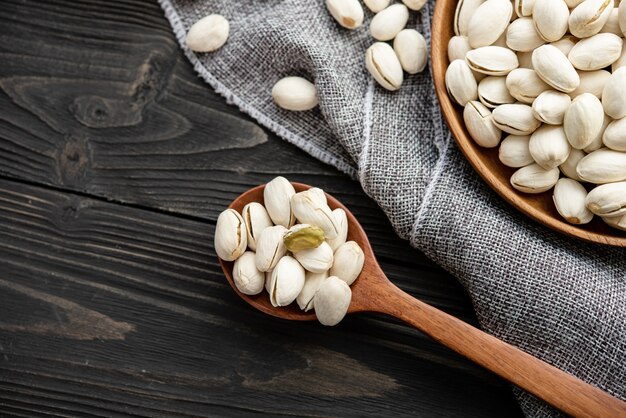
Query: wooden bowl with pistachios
[(536, 100)]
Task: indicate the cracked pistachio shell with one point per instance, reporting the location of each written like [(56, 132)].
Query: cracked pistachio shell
[(568, 168), (410, 47), (550, 107), (524, 7), (565, 44), (621, 61), (342, 226), (277, 197), (603, 166), (597, 143), (492, 60), (596, 52), (553, 67), (618, 222), (622, 17), (615, 135), (591, 82), (310, 209), (458, 47), (303, 237), (479, 123), (386, 24), (516, 119), (376, 5), (208, 34), (230, 235), (295, 93), (534, 179), (414, 4), (270, 247), (348, 263), (312, 282), (488, 22), (521, 35), (286, 281), (569, 198), (383, 64), (492, 92), (248, 279), (589, 17), (550, 18), (549, 147), (256, 219), (525, 85), (583, 120), (514, 151), (614, 94), (348, 13), (332, 301), (612, 24), (608, 200), (316, 260), (460, 82), (464, 11)]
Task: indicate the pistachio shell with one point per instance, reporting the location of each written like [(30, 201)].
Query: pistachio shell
[(550, 18), (565, 44), (348, 263), (583, 120), (622, 17), (295, 93), (458, 47), (553, 67), (386, 24), (230, 235), (525, 85), (524, 7), (286, 281), (492, 92), (342, 225), (615, 135), (549, 147), (256, 219), (460, 82), (309, 209), (591, 82), (516, 119), (464, 11), (414, 4), (277, 197), (596, 144), (248, 279), (316, 260), (612, 24), (603, 166), (492, 60), (621, 61), (614, 94), (618, 222), (550, 106), (376, 5), (382, 63), (568, 168), (270, 247), (589, 17), (208, 34), (410, 47), (569, 199), (479, 124), (521, 35), (525, 59), (312, 282), (608, 200), (534, 179), (348, 13), (596, 52), (514, 152), (332, 301), (488, 22)]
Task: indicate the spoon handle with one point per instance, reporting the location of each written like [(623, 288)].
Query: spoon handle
[(556, 387)]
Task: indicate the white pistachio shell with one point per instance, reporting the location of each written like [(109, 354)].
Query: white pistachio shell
[(410, 47), (332, 301), (230, 235), (349, 259), (524, 7), (550, 18), (569, 199), (516, 119), (612, 24), (492, 60), (386, 24), (458, 47), (310, 209), (348, 13), (270, 247), (573, 3), (591, 82), (414, 4), (621, 61), (312, 282), (550, 107), (615, 135), (525, 59), (568, 168), (376, 5), (295, 93), (603, 166), (555, 69), (596, 52), (614, 94), (256, 219), (342, 226), (493, 92), (521, 35), (316, 260), (286, 281), (488, 22), (479, 123), (618, 222), (534, 179), (460, 82), (208, 34), (589, 17), (514, 151), (464, 11), (277, 198), (549, 147), (622, 17), (383, 64), (248, 279), (583, 120), (525, 85), (608, 200), (565, 44), (597, 143)]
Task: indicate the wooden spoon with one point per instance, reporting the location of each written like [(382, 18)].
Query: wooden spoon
[(373, 292)]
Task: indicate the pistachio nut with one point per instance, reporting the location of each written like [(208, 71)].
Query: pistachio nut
[(614, 94), (492, 60), (621, 61), (348, 263), (618, 222), (591, 82), (312, 282), (583, 120), (492, 91), (316, 260), (248, 279), (376, 5), (230, 235), (603, 166), (521, 35), (615, 135), (612, 24), (386, 24), (554, 68), (303, 237), (622, 17), (596, 52), (256, 219), (342, 226), (295, 93), (479, 123), (489, 22), (550, 18), (514, 151), (569, 198), (458, 47), (277, 198), (382, 63), (597, 143), (208, 34), (525, 59), (524, 7), (414, 4), (286, 281), (550, 106), (565, 44), (534, 179), (516, 119), (568, 168), (464, 11), (309, 209), (589, 17), (460, 83), (332, 301), (348, 13), (525, 85), (549, 147), (608, 200), (270, 247), (410, 47)]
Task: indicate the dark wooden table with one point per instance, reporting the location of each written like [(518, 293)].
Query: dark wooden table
[(115, 160)]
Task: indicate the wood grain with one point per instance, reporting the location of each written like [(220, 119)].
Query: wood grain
[(485, 161)]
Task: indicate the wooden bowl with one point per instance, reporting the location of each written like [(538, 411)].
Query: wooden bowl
[(485, 161)]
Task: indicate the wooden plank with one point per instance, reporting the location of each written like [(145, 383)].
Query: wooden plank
[(112, 310)]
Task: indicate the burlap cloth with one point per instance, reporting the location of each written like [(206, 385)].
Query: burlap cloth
[(557, 298)]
